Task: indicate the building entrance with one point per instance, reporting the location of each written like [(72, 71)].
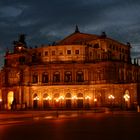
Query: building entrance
[(10, 98)]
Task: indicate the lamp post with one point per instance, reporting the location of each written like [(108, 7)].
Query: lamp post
[(127, 99), (74, 98), (87, 98), (57, 106), (95, 102), (36, 99), (111, 99), (56, 103), (47, 102), (61, 98)]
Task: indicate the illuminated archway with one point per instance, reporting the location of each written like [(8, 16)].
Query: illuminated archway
[(35, 101), (68, 100), (87, 101), (10, 98), (126, 97), (80, 100), (56, 100), (46, 101), (99, 98)]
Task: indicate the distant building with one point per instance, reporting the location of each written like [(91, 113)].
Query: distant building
[(81, 71)]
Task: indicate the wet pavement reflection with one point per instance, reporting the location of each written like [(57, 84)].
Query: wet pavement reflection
[(73, 126)]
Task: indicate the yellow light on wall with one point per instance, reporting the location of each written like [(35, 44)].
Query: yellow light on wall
[(0, 100), (126, 97), (74, 97), (87, 97), (95, 100), (36, 98), (57, 100), (111, 97), (61, 98), (80, 98), (47, 98), (19, 48)]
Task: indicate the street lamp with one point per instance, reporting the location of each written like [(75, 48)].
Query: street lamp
[(46, 101), (95, 102), (127, 99), (74, 98), (61, 98), (47, 98), (36, 98), (35, 103), (87, 98), (111, 98)]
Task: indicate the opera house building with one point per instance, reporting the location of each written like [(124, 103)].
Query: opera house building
[(82, 71)]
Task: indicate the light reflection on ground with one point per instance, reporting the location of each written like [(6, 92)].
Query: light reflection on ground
[(73, 126)]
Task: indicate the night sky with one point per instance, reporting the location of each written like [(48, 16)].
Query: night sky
[(45, 21)]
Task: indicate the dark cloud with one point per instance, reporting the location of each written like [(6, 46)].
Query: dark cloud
[(46, 21)]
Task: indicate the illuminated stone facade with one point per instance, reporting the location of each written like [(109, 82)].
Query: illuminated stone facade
[(82, 71)]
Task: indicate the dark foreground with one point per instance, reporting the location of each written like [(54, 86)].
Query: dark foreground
[(73, 126)]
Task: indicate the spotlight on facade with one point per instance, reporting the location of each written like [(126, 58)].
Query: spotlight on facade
[(87, 97), (20, 48), (57, 99), (61, 98), (126, 97), (0, 100), (111, 97), (95, 99), (74, 97), (47, 98), (36, 98)]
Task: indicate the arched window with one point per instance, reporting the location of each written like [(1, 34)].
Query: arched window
[(45, 96), (79, 76), (35, 78), (56, 77), (45, 77), (68, 76), (96, 45), (35, 97), (80, 95), (56, 95), (68, 96)]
